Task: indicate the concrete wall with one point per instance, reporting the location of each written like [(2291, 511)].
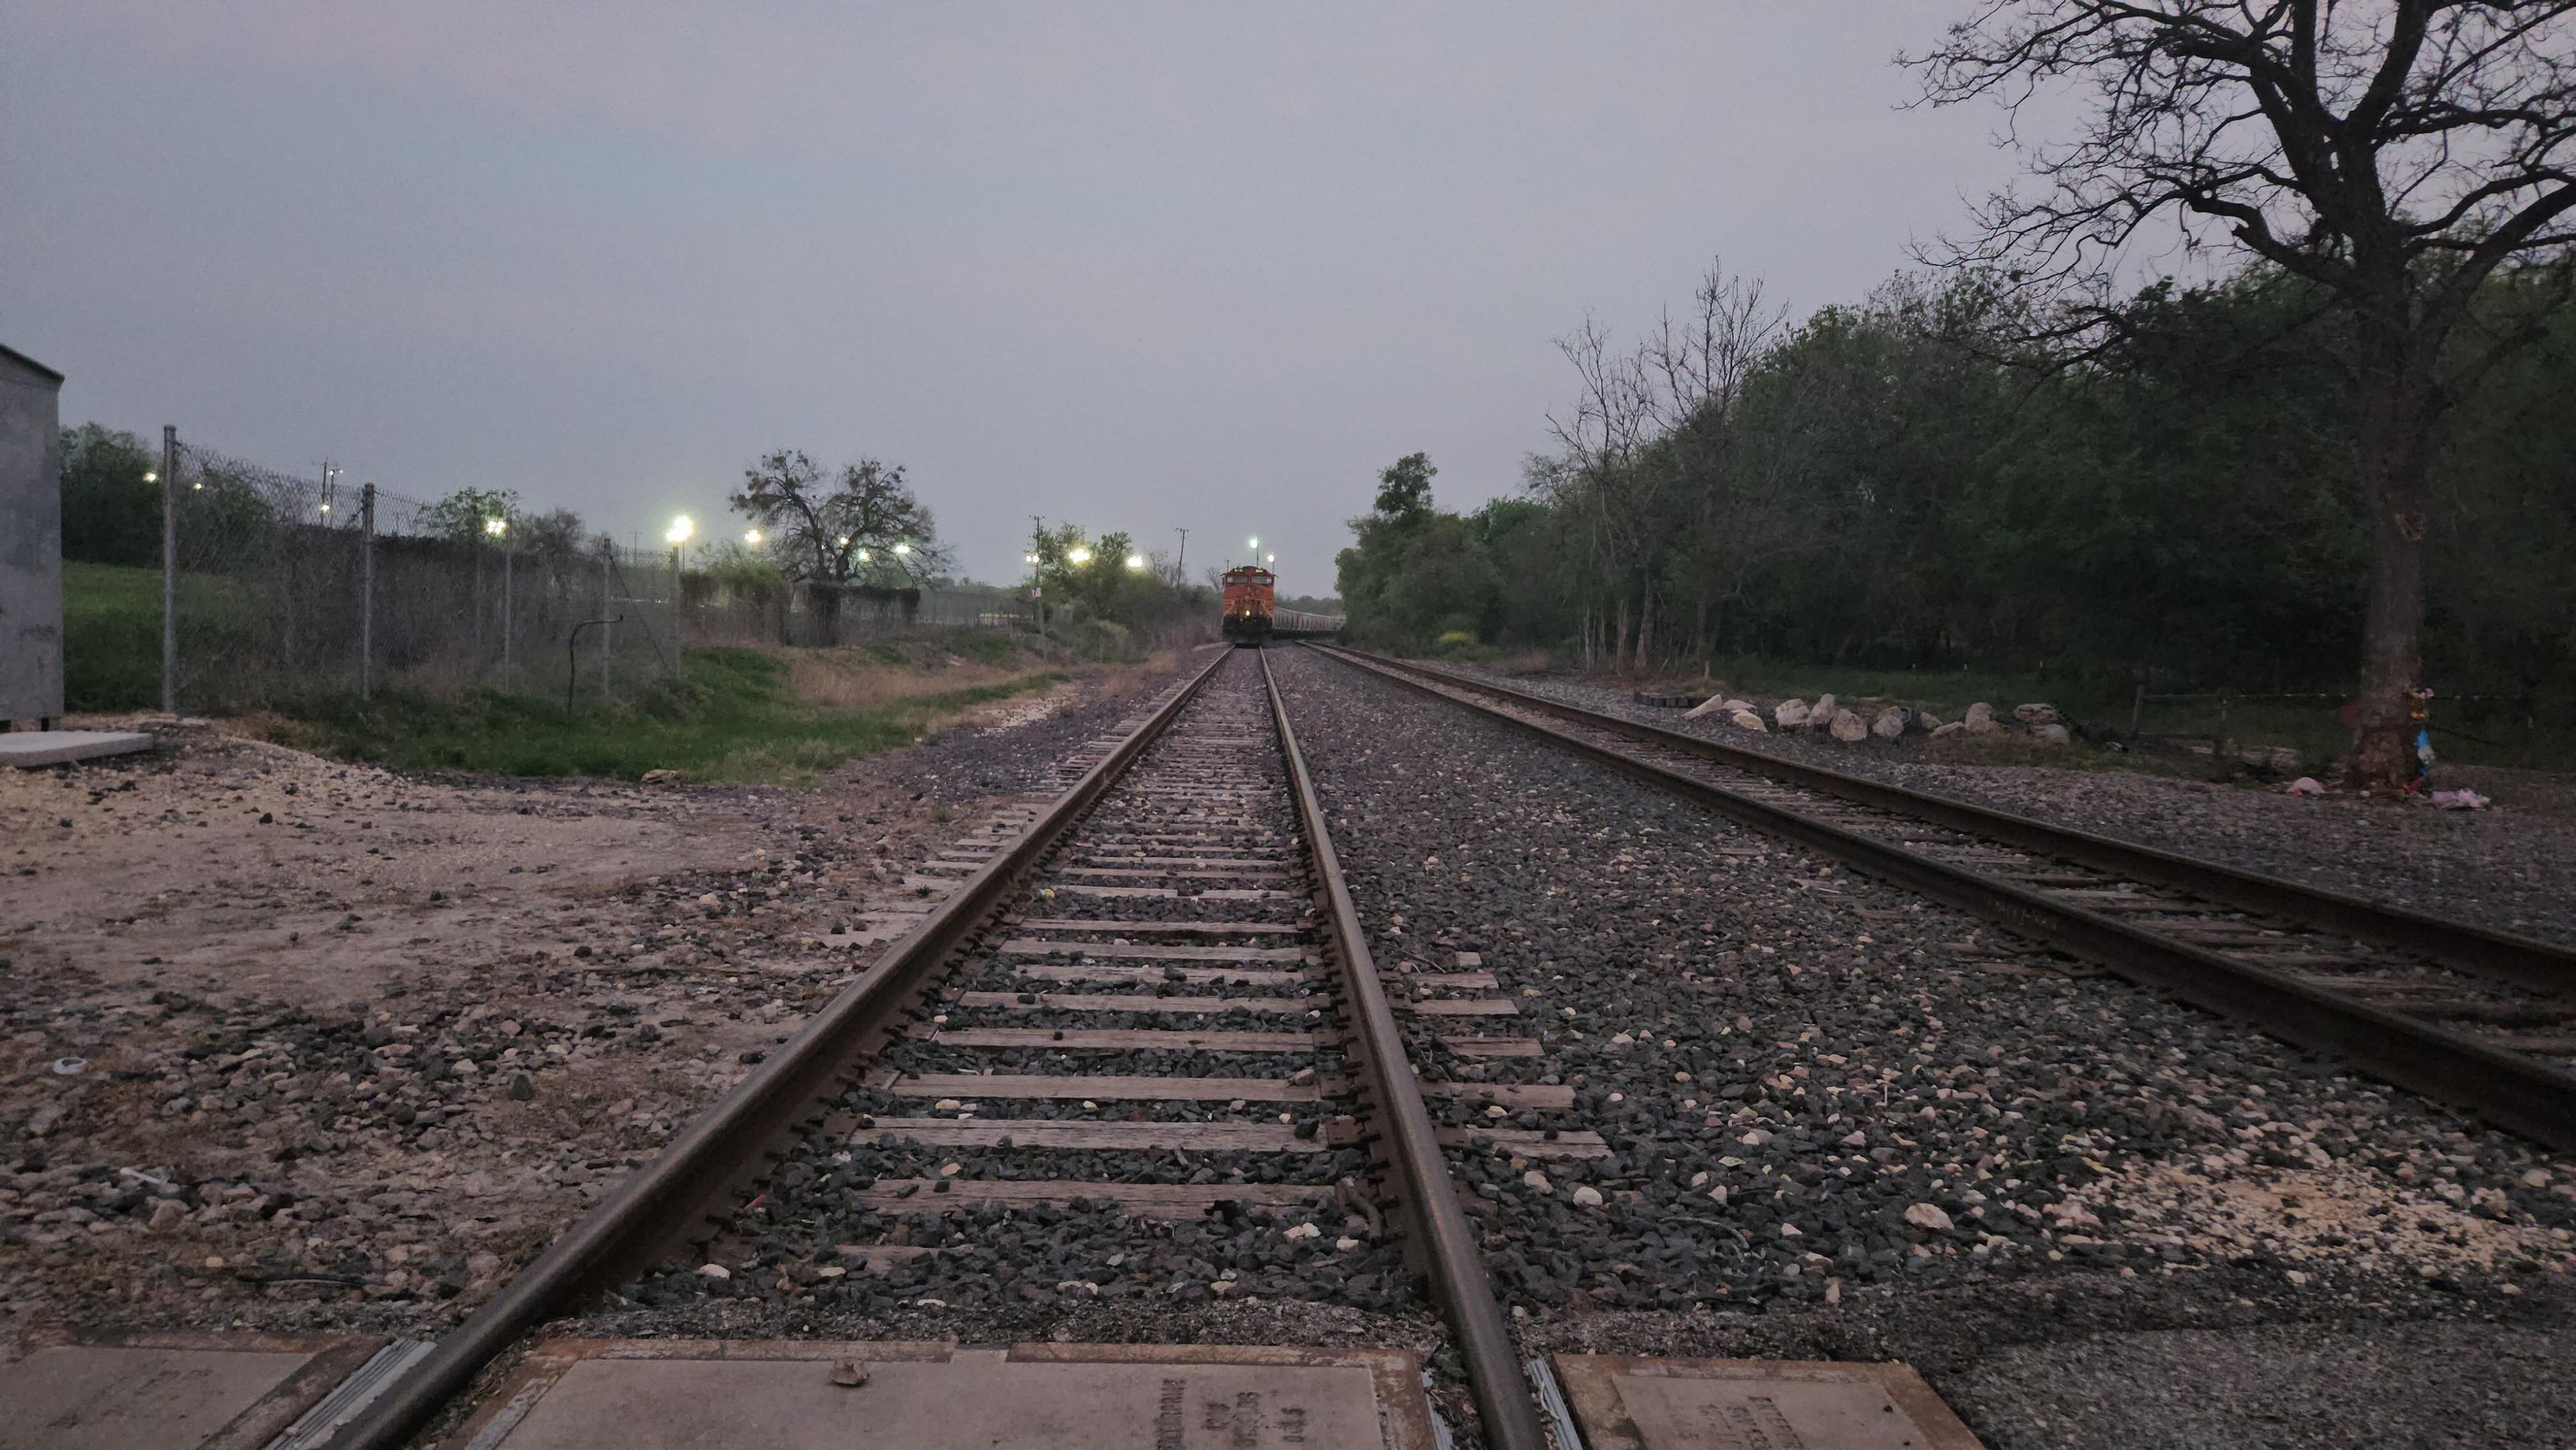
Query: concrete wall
[(31, 540)]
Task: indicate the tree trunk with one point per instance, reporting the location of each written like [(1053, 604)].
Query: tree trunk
[(1645, 628), (2395, 430), (1619, 639)]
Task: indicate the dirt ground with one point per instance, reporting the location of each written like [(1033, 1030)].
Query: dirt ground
[(287, 1042)]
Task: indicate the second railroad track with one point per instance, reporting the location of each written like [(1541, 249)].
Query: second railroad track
[(2480, 1019)]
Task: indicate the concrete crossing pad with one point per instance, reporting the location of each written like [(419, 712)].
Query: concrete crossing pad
[(862, 1395), (170, 1391), (1622, 1403)]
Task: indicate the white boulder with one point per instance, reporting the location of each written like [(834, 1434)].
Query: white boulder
[(1955, 727), (1981, 719), (1889, 724), (2051, 733), (1709, 706), (2036, 714), (1790, 714), (1848, 727), (1747, 720)]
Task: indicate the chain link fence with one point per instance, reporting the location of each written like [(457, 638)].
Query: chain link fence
[(277, 587)]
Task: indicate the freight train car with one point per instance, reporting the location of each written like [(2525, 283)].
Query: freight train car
[(1250, 595)]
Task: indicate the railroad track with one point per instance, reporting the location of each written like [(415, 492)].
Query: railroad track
[(1162, 967), (2480, 1019)]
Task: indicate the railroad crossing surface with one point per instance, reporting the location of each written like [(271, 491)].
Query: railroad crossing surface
[(254, 1392)]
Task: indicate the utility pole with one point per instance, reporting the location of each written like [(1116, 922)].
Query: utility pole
[(1037, 578), (169, 569), (1181, 562), (366, 587)]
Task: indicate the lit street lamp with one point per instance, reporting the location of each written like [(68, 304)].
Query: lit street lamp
[(751, 537), (1135, 562), (1080, 555), (901, 550)]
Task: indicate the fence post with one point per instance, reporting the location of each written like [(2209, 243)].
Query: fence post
[(366, 587), (607, 597), (509, 557), (170, 568)]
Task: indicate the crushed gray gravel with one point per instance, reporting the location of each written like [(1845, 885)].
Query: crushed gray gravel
[(1825, 1098), (2511, 867), (810, 1252)]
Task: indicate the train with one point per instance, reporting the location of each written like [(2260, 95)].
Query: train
[(1253, 616)]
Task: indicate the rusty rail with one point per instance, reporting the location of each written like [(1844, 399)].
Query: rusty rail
[(1446, 1242)]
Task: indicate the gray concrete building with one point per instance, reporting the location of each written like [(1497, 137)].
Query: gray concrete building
[(31, 541)]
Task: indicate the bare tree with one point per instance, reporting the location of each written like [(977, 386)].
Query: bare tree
[(869, 526), (1646, 446), (2395, 153)]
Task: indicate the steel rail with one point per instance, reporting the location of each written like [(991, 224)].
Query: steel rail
[(2459, 945), (1504, 1400), (2509, 1090), (638, 1222)]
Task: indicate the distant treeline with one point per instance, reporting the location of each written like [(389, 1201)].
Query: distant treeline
[(1906, 483)]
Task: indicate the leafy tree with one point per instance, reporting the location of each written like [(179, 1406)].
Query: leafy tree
[(1404, 489), (111, 514), (2396, 156), (466, 515), (864, 527)]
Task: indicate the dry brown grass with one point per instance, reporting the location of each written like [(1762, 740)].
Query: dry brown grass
[(838, 679)]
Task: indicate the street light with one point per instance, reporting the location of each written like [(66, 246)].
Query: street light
[(864, 556), (751, 537), (150, 477), (1269, 558), (1029, 559), (1253, 543), (495, 527), (1135, 561), (681, 528), (902, 549), (1080, 555)]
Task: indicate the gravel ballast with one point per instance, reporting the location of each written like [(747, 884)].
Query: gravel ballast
[(812, 1254), (2511, 867), (1830, 1103)]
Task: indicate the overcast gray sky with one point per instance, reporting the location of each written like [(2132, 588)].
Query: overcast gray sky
[(1135, 266)]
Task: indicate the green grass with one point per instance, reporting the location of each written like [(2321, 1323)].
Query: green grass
[(731, 718), (111, 637)]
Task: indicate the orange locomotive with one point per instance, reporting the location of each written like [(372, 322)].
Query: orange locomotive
[(1250, 597)]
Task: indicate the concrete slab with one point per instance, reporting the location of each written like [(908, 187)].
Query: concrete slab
[(55, 747), (810, 1395), (200, 1392), (1622, 1403)]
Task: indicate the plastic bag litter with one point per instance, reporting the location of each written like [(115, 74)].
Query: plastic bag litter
[(2460, 800), (2305, 785)]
